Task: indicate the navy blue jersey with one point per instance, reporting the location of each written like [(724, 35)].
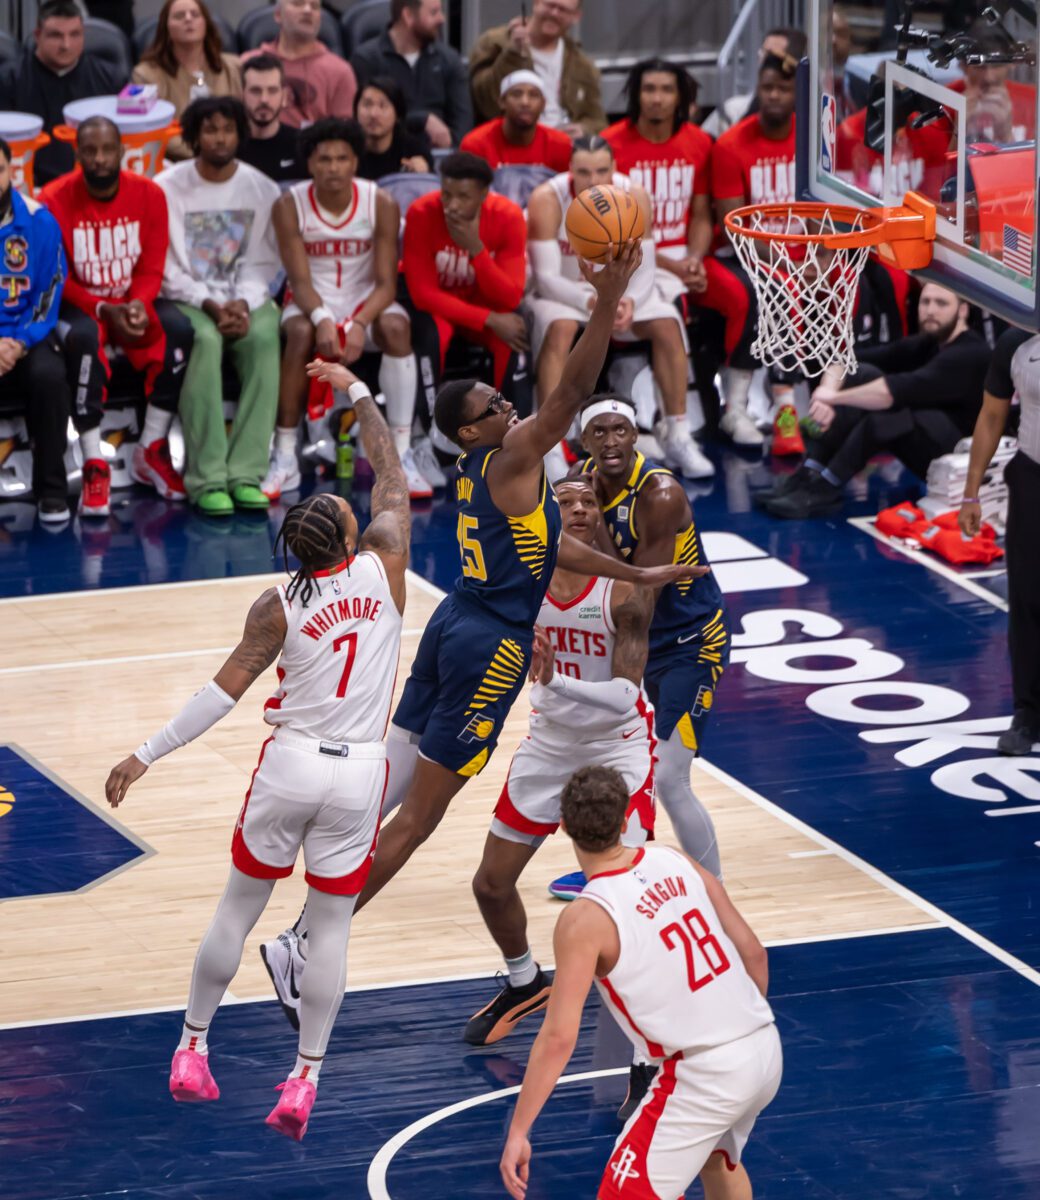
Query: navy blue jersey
[(507, 562), (681, 607)]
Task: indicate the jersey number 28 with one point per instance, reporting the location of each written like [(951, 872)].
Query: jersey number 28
[(696, 936)]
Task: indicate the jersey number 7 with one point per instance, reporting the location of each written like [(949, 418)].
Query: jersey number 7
[(350, 641), (697, 936)]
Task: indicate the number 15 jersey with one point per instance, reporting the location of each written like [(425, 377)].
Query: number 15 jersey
[(678, 983), (338, 664)]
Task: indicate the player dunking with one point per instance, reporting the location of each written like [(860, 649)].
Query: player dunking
[(322, 774), (589, 710), (685, 978)]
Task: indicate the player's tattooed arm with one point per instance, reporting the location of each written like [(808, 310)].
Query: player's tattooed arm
[(389, 532), (633, 608), (261, 643)]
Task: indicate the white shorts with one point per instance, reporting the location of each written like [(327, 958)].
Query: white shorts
[(528, 810), (543, 313), (325, 804), (342, 309), (700, 1104)]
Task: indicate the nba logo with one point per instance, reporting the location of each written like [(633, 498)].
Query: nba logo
[(828, 132)]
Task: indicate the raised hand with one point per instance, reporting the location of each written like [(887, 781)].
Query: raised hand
[(543, 657), (611, 280)]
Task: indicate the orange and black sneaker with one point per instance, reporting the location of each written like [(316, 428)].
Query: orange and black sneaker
[(508, 1008), (787, 437), (95, 498)]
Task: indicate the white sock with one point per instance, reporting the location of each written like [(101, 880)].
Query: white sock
[(157, 424), (736, 384), (522, 970), (676, 425), (397, 381), (90, 443), (307, 1068), (284, 442), (193, 1039)]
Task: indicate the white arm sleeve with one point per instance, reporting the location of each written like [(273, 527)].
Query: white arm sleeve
[(204, 709), (549, 282), (642, 282), (617, 695)]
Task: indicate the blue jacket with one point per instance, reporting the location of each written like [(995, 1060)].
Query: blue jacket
[(32, 272)]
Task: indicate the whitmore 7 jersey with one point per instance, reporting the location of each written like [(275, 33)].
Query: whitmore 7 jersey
[(337, 668), (679, 983)]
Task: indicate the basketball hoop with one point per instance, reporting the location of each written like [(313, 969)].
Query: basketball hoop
[(805, 261)]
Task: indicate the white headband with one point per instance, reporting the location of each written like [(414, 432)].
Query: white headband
[(515, 78), (602, 407)]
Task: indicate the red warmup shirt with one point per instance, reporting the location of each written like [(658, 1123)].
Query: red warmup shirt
[(919, 157), (745, 163), (442, 279), (116, 248), (550, 147), (672, 172)]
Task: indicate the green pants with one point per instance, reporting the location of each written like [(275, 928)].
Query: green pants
[(215, 460)]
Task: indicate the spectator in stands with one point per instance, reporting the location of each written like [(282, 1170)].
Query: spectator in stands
[(998, 109), (786, 44), (915, 398), (431, 75), (464, 265), (32, 369), (51, 73), (517, 136), (562, 298), (542, 45), (221, 263), (320, 83), (271, 146), (389, 146), (116, 233), (186, 61)]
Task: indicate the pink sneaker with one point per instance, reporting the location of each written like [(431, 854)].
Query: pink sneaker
[(190, 1079), (293, 1110)]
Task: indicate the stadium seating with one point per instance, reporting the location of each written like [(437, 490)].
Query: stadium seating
[(362, 22), (516, 181), (106, 41)]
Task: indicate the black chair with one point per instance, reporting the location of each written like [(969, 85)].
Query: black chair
[(144, 35), (259, 26), (363, 21), (106, 41), (9, 48)]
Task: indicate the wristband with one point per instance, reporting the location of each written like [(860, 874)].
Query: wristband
[(970, 500), (321, 313), (358, 391)]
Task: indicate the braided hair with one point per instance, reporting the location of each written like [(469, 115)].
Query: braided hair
[(313, 532)]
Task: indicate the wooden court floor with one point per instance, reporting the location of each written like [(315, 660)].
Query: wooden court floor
[(89, 675)]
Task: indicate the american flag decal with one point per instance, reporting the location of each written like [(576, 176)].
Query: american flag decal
[(1018, 250)]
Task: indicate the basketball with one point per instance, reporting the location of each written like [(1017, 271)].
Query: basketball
[(600, 217)]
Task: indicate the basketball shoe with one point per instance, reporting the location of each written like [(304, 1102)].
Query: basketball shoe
[(509, 1007), (568, 887), (293, 1111), (787, 437), (285, 964), (640, 1077), (283, 475), (426, 460), (419, 487), (95, 500), (190, 1078), (736, 423), (682, 453), (152, 466)]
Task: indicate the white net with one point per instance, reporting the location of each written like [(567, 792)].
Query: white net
[(806, 292)]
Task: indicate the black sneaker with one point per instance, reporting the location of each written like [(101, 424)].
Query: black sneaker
[(640, 1077), (510, 1006), (817, 498), (783, 484), (1019, 738)]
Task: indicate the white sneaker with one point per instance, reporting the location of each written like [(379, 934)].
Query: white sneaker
[(739, 426), (651, 445), (687, 458), (426, 461), (418, 486), (285, 965), (556, 465), (283, 475)]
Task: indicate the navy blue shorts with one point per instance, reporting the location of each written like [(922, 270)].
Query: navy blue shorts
[(681, 677), (468, 671)]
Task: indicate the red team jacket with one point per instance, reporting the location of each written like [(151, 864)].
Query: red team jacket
[(550, 147), (745, 163)]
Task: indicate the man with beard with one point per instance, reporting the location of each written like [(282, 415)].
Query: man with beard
[(914, 398), (116, 233), (220, 266), (271, 146), (517, 136)]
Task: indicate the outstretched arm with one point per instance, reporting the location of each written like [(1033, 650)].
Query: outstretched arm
[(262, 639), (576, 556)]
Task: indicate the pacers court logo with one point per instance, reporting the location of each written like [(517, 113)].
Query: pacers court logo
[(6, 801), (622, 1168)]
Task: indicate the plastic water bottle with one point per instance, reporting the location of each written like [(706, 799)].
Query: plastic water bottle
[(344, 446)]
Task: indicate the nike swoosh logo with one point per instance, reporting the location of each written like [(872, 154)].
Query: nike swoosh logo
[(631, 733), (688, 638), (178, 368), (1037, 359), (286, 162)]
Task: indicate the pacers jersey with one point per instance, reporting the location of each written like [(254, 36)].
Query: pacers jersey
[(338, 665), (681, 607), (582, 635), (563, 186), (340, 250), (679, 983), (507, 562)]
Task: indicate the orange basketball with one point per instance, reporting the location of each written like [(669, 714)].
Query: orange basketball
[(600, 217)]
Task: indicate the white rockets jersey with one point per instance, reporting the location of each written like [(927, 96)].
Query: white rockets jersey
[(340, 253), (679, 983), (563, 186), (582, 634), (337, 668)]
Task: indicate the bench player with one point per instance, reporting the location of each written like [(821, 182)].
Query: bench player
[(322, 774), (590, 709), (685, 978), (559, 303), (337, 235)]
